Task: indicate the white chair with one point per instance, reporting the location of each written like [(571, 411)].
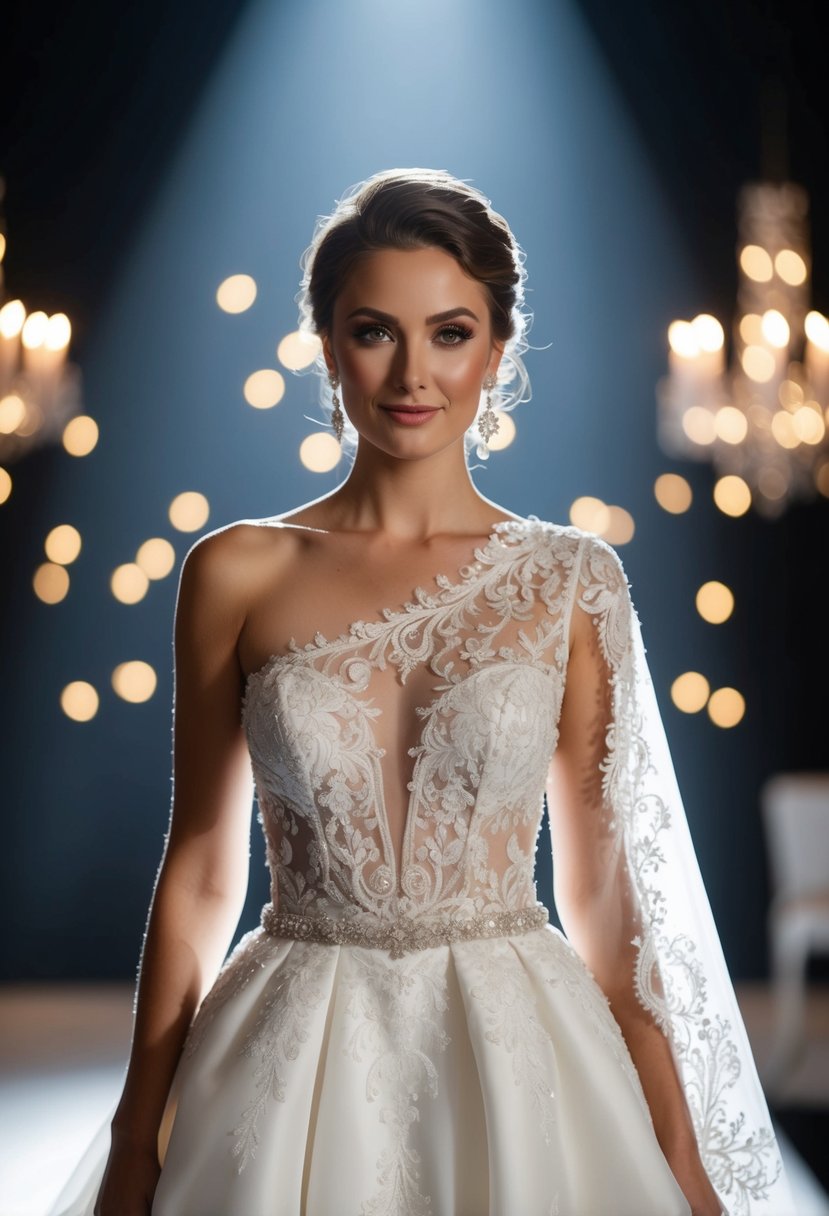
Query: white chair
[(796, 816)]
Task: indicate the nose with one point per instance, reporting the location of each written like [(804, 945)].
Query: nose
[(408, 371)]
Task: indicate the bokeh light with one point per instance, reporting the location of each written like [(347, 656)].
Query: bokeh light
[(790, 267), (298, 350), (590, 514), (730, 424), (732, 495), (189, 511), (236, 294), (80, 435), (756, 263), (264, 389), (726, 707), (51, 583), (129, 583), (673, 493), (156, 557), (620, 528), (12, 317), (505, 433), (134, 681), (12, 413), (320, 452), (5, 484), (79, 701), (699, 424), (689, 692), (715, 602), (63, 544)]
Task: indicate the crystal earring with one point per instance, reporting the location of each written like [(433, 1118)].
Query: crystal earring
[(488, 424), (337, 415)]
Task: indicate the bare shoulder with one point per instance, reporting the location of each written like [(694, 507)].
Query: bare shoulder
[(228, 562)]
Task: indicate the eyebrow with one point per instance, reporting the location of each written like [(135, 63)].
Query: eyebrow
[(433, 320)]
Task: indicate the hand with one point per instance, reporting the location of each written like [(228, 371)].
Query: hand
[(696, 1185), (129, 1181)]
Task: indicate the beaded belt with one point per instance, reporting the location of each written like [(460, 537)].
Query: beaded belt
[(404, 934)]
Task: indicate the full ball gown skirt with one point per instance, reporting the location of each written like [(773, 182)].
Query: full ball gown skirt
[(408, 1035)]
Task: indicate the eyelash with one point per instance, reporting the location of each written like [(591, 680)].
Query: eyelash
[(460, 330)]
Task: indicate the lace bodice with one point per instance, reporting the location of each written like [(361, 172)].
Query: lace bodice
[(356, 822)]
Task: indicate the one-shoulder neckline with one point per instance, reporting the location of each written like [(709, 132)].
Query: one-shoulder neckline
[(365, 629)]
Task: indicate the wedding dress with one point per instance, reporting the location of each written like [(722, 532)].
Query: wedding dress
[(405, 1034)]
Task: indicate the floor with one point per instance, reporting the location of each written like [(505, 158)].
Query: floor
[(63, 1051)]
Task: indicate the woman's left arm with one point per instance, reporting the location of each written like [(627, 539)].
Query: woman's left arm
[(596, 901)]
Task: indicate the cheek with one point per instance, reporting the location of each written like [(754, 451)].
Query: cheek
[(463, 372), (365, 369)]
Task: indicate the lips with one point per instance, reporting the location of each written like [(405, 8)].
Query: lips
[(411, 409)]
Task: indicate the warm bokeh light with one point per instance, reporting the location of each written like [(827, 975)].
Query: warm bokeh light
[(756, 263), (12, 317), (505, 434), (156, 557), (590, 514), (34, 330), (751, 328), (264, 389), (12, 413), (58, 332), (732, 495), (817, 330), (715, 602), (708, 332), (775, 328), (822, 478), (5, 484), (236, 294), (790, 393), (621, 527), (189, 511), (758, 363), (699, 424), (689, 692), (2, 246), (731, 424), (129, 583), (726, 707), (790, 267), (673, 493), (51, 583), (320, 452), (63, 544), (783, 430), (134, 681), (298, 350), (682, 339), (79, 701), (808, 423), (80, 435)]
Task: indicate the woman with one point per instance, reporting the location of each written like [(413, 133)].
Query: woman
[(405, 1033)]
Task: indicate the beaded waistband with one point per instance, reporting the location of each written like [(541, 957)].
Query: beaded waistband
[(406, 933)]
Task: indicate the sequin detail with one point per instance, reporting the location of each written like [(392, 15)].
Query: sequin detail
[(406, 934)]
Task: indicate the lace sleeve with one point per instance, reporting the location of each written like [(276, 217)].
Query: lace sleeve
[(623, 851)]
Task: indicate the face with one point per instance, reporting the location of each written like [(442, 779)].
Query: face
[(411, 328)]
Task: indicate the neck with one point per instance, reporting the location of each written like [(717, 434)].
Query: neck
[(410, 500)]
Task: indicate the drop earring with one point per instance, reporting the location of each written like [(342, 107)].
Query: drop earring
[(488, 423), (337, 415)]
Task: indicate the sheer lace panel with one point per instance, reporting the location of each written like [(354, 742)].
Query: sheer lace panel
[(400, 768)]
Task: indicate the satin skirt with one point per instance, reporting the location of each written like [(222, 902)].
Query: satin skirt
[(480, 1078)]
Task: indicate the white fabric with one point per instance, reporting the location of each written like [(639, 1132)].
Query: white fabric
[(483, 1077)]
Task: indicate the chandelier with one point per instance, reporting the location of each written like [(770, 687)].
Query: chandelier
[(39, 390), (763, 419)]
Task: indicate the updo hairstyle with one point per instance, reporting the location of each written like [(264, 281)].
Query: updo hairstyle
[(416, 209)]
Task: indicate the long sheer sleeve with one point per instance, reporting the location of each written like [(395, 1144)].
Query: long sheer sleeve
[(630, 893)]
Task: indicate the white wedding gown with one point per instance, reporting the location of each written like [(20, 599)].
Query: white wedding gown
[(405, 1034)]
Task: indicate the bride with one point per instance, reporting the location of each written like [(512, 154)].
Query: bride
[(400, 669)]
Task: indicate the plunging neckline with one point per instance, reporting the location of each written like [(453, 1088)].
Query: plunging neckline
[(365, 630)]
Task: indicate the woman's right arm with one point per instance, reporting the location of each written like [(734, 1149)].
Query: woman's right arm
[(202, 881)]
